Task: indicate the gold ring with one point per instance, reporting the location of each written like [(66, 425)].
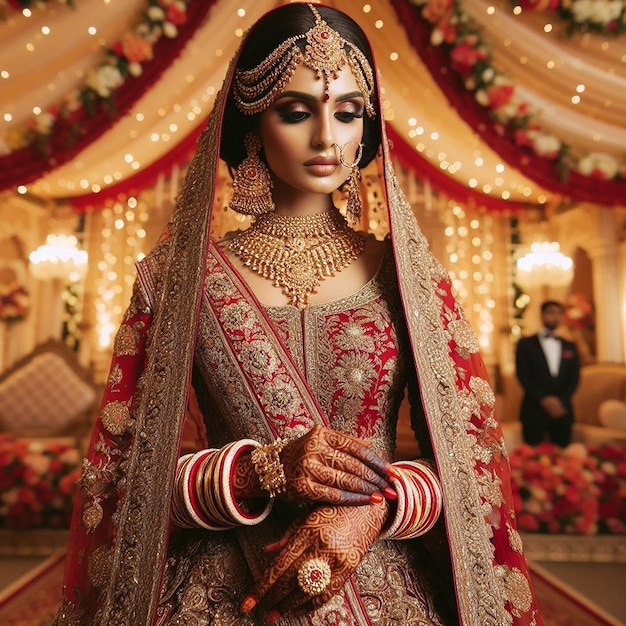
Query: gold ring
[(314, 576)]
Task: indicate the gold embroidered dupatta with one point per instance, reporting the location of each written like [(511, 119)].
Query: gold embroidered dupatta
[(491, 578)]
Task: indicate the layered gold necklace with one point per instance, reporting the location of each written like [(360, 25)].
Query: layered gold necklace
[(297, 252)]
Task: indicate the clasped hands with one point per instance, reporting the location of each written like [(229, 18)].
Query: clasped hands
[(351, 484), (553, 406)]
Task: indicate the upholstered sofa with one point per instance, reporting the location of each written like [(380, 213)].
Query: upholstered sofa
[(597, 403), (47, 405)]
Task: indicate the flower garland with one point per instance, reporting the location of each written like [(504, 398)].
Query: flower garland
[(607, 17), (37, 481), (124, 59), (20, 5), (14, 302), (575, 490), (471, 58)]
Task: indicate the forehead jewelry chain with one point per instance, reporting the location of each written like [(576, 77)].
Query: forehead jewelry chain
[(297, 252), (325, 52)]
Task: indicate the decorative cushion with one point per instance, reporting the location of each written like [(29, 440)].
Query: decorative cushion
[(44, 396), (612, 414)]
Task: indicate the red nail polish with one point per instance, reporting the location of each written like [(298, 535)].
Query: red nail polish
[(249, 602), (393, 473), (376, 498), (390, 494), (272, 617)]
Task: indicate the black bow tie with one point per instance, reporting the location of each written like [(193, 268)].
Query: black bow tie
[(549, 333)]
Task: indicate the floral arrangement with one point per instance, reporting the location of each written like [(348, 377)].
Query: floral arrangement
[(573, 490), (20, 5), (578, 313), (124, 59), (37, 481), (471, 58), (602, 16), (14, 302)]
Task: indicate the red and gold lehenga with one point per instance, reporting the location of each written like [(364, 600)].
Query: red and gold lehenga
[(267, 372)]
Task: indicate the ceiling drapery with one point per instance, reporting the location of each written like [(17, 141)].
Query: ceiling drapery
[(437, 127), (595, 125), (77, 129)]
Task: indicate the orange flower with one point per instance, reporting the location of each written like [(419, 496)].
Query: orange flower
[(136, 49)]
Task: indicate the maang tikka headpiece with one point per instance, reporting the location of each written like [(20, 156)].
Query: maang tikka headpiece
[(326, 52)]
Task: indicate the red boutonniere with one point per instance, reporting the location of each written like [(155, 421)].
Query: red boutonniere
[(568, 354)]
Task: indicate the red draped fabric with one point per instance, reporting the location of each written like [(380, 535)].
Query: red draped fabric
[(78, 130), (572, 186)]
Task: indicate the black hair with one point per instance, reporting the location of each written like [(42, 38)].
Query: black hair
[(548, 303), (265, 36)]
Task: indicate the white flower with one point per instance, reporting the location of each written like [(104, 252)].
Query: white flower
[(170, 30), (597, 11), (576, 450), (488, 75), (135, 69), (436, 37), (38, 462), (71, 456), (598, 162), (35, 446), (608, 468), (482, 98), (509, 111), (104, 80), (544, 144), (44, 123), (156, 14)]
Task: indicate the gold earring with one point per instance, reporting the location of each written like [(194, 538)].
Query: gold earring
[(353, 205), (252, 184)]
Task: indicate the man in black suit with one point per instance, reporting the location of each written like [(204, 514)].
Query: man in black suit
[(548, 367)]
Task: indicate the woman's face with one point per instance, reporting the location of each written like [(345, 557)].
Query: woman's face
[(300, 132)]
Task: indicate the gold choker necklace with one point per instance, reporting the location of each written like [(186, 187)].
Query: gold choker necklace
[(297, 252)]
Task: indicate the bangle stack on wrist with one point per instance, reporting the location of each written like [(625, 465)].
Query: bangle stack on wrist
[(203, 495), (269, 467), (419, 501)]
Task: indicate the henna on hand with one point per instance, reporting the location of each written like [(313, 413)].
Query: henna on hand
[(340, 535), (325, 465)]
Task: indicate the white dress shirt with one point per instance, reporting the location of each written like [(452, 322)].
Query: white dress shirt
[(552, 350)]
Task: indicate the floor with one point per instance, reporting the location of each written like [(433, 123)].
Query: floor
[(602, 583)]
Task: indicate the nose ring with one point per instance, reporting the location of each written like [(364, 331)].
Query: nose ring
[(342, 158)]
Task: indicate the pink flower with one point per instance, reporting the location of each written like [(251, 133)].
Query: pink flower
[(499, 95), (465, 56)]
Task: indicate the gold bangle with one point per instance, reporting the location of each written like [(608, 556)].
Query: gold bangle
[(269, 468)]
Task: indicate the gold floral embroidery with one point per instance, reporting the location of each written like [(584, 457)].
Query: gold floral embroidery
[(516, 588), (258, 358), (116, 418), (354, 337), (68, 614), (115, 376), (483, 391), (219, 285), (279, 398), (515, 540), (464, 337), (489, 486), (99, 565), (97, 482), (127, 339), (354, 374)]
